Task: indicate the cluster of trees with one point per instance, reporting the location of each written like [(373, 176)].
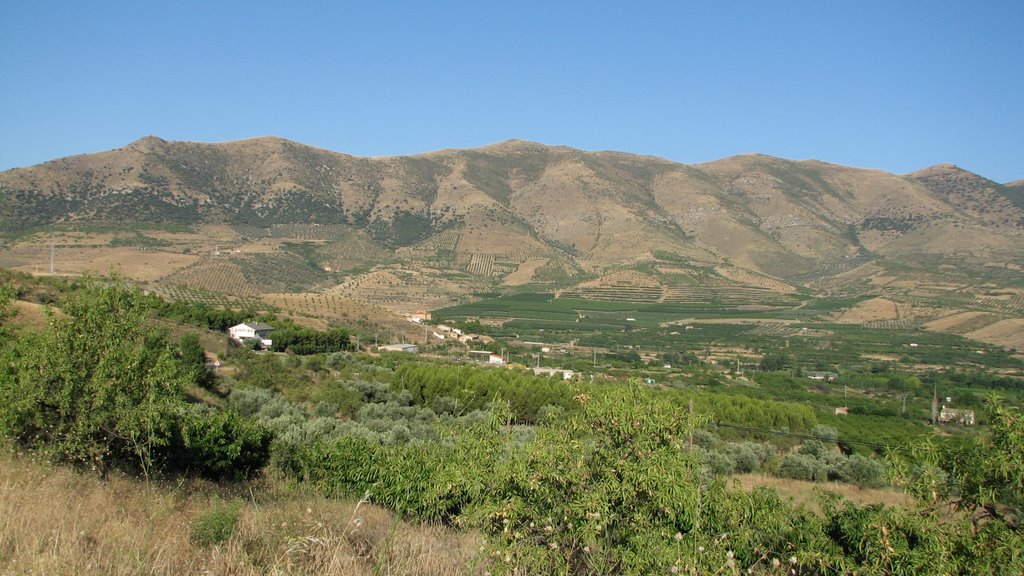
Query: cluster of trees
[(100, 388), (609, 488), (817, 459), (299, 340), (466, 388), (198, 314), (602, 483)]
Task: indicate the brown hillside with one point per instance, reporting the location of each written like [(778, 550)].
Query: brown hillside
[(269, 215)]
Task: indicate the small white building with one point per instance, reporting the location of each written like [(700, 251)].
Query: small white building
[(565, 374), (957, 416), (486, 356), (252, 330), (407, 348)]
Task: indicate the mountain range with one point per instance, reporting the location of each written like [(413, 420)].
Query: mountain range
[(517, 213)]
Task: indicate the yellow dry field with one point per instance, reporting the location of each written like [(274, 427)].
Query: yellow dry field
[(950, 323), (525, 272), (874, 309), (58, 522), (759, 280), (805, 493), (1008, 333), (332, 308), (140, 265), (144, 266), (29, 315), (623, 278)]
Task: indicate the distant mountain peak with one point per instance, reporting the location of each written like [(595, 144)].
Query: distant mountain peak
[(147, 143)]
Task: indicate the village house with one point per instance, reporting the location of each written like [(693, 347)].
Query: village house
[(823, 376), (252, 331), (407, 348), (956, 416), (486, 357), (419, 316), (564, 373)]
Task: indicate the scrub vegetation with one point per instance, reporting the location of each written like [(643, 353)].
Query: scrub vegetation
[(318, 461)]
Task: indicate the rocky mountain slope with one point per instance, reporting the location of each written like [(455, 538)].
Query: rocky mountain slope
[(541, 212)]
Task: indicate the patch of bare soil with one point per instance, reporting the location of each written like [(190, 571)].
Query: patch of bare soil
[(805, 493), (951, 322), (874, 309), (29, 314), (1008, 333), (525, 272)]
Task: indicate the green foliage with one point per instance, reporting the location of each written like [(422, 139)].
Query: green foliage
[(308, 341), (214, 526), (193, 358), (97, 387), (803, 467), (472, 388), (603, 492), (863, 472), (984, 476), (217, 444)]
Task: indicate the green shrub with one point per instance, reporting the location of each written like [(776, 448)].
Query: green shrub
[(217, 444), (214, 526), (862, 471), (749, 456), (802, 467), (98, 388)]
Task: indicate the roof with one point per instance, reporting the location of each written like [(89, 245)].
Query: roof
[(258, 326)]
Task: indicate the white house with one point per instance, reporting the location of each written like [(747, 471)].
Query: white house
[(249, 330), (407, 348), (957, 416), (565, 374), (486, 356)]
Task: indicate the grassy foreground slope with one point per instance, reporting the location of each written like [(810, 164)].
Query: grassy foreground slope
[(59, 522), (557, 478)]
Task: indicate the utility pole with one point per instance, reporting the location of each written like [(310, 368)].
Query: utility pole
[(690, 442), (53, 253)]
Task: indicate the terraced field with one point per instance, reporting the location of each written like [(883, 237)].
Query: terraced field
[(212, 275), (180, 293)]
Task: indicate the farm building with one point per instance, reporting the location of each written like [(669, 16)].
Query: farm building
[(486, 357), (252, 330), (419, 316), (823, 376), (408, 348), (565, 374), (955, 416)]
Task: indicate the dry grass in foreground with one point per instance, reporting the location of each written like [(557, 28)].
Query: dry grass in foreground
[(56, 521)]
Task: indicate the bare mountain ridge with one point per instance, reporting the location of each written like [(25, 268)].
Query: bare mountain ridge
[(515, 202)]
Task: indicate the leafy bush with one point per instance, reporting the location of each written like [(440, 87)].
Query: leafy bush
[(802, 467), (218, 444), (749, 456), (862, 471), (215, 526), (98, 388)]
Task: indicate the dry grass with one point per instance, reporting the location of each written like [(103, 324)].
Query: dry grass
[(56, 521), (804, 493), (873, 309)]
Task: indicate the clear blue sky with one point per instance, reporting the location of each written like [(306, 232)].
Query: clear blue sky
[(895, 85)]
